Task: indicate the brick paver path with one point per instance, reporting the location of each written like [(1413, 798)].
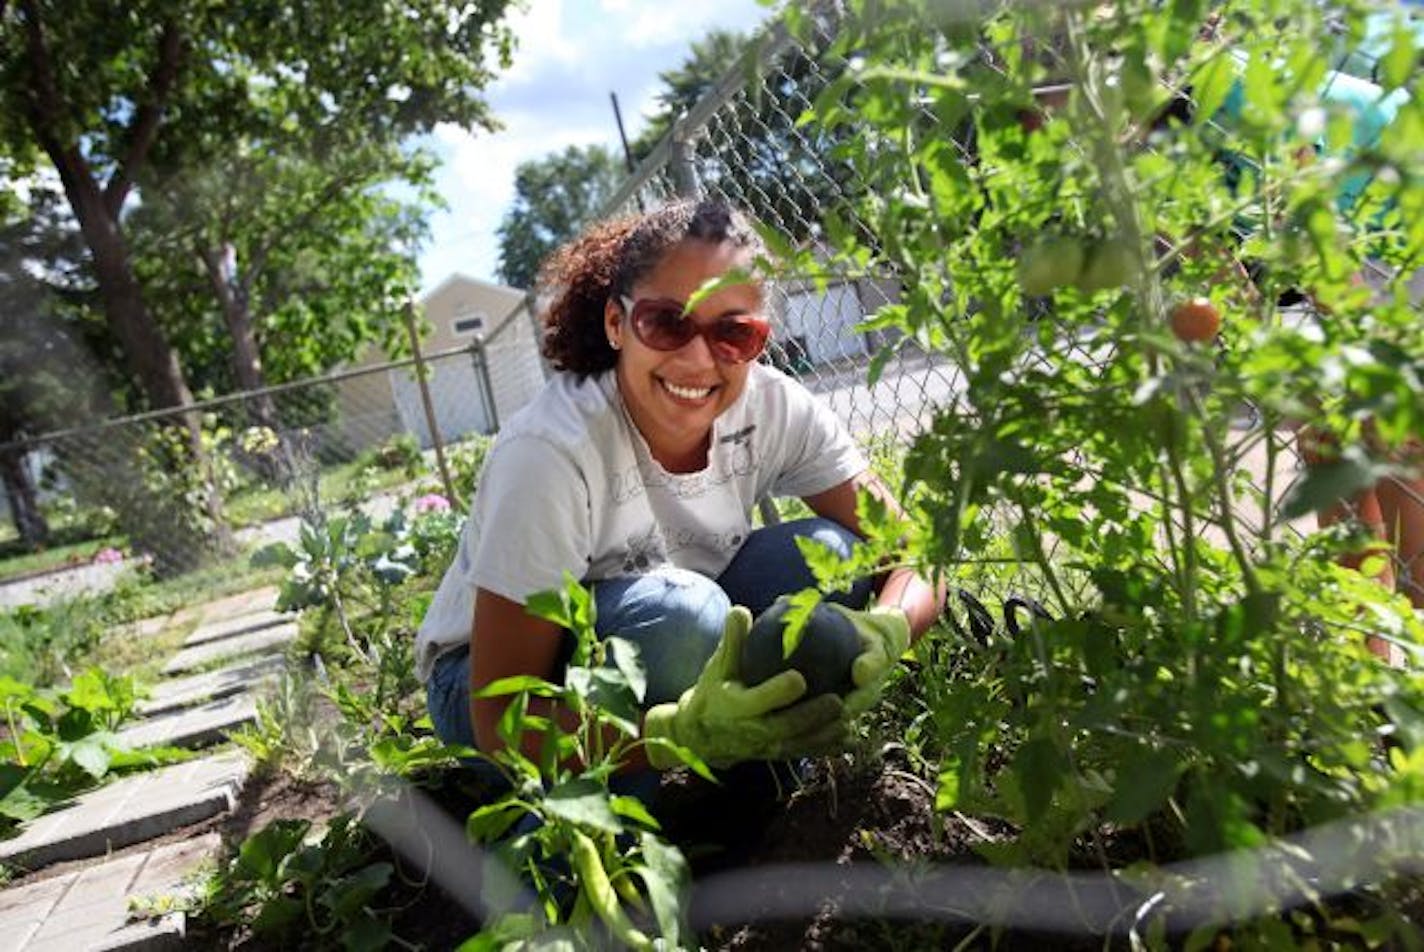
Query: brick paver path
[(201, 655), (88, 908), (132, 810), (174, 693), (199, 726)]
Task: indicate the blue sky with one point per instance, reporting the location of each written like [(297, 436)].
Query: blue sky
[(571, 54)]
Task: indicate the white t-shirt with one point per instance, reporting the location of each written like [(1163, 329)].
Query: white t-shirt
[(570, 485)]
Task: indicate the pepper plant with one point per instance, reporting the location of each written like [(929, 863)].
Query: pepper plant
[(1205, 685), (592, 854)]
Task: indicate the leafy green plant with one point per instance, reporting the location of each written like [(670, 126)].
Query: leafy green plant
[(59, 742), (376, 740), (338, 560), (284, 731), (400, 452), (39, 644), (166, 494), (594, 857), (1205, 685), (286, 884), (465, 459), (347, 563)]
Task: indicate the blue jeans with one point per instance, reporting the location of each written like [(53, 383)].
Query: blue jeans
[(676, 616)]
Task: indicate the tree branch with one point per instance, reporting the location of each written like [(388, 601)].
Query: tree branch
[(46, 108), (45, 105), (144, 127)]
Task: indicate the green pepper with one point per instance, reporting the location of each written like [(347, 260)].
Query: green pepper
[(588, 865)]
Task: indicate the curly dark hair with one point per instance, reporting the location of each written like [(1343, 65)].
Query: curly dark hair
[(611, 257)]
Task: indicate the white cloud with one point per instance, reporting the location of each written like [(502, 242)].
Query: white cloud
[(657, 25), (543, 41)]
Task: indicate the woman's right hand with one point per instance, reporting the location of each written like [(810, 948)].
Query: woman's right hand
[(722, 721)]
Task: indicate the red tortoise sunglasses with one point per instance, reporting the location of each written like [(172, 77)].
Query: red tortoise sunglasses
[(664, 324)]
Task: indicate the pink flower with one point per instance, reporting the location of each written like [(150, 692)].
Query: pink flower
[(432, 502), (108, 556)]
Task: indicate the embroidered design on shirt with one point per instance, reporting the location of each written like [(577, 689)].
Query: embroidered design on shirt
[(741, 436), (626, 485), (691, 538), (645, 552)]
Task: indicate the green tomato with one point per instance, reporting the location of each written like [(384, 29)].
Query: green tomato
[(1109, 266), (1050, 263)]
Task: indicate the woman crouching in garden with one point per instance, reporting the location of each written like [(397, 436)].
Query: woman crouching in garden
[(636, 470)]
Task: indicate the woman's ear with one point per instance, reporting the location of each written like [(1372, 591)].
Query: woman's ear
[(613, 323)]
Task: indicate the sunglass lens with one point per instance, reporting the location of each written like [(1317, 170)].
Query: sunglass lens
[(739, 338), (663, 327)]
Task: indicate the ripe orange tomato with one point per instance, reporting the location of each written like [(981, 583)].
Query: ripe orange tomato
[(1196, 320)]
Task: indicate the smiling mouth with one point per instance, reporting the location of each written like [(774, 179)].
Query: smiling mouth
[(687, 393)]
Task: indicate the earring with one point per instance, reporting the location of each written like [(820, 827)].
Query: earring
[(612, 343)]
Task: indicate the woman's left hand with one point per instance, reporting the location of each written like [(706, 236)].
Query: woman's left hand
[(884, 634)]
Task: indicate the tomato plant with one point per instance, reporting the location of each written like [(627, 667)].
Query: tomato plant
[(1206, 683)]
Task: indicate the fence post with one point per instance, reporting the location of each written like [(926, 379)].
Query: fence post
[(425, 401), (480, 358), (684, 171)]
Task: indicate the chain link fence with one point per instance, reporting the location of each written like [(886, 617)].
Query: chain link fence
[(745, 142), (368, 434)]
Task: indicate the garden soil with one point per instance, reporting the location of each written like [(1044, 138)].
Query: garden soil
[(836, 815)]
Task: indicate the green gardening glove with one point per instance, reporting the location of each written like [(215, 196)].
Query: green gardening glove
[(884, 635), (723, 721)]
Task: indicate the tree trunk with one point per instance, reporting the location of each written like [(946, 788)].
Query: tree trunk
[(24, 501), (146, 348), (149, 356), (220, 262)]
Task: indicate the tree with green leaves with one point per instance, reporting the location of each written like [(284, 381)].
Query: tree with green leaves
[(270, 265), (39, 347), (555, 197), (107, 92)]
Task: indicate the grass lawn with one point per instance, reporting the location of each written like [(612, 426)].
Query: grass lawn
[(36, 644), (263, 503), (250, 506), (15, 560), (134, 602)]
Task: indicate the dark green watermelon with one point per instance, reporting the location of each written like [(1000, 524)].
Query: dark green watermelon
[(828, 646)]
